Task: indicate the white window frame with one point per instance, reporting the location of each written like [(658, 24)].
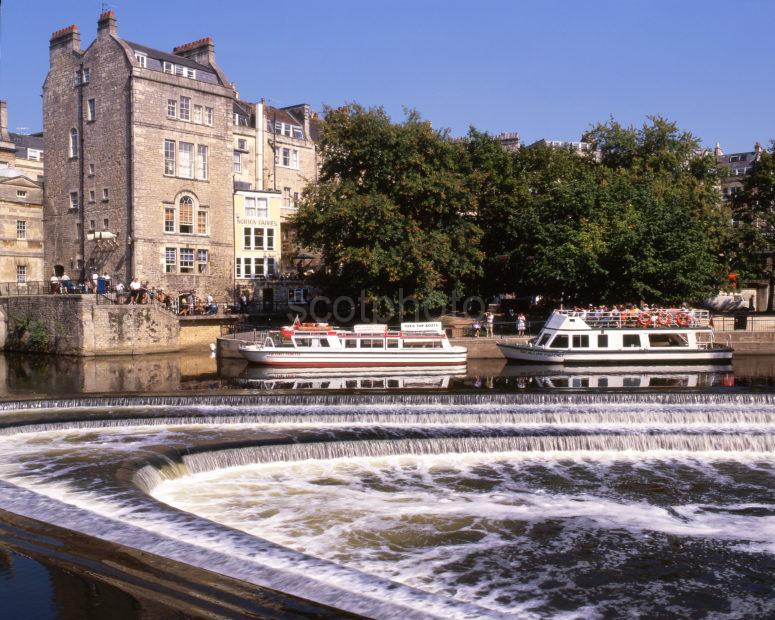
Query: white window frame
[(21, 274), (250, 206), (74, 201), (74, 146), (170, 162), (242, 144), (105, 193), (172, 108), (33, 154), (142, 59), (202, 162), (179, 214), (20, 193), (237, 162), (21, 230), (269, 239), (208, 116), (262, 208), (238, 267), (186, 163), (91, 195), (174, 221), (202, 261), (197, 216), (184, 110), (91, 109), (86, 75), (168, 67), (170, 266), (186, 265), (198, 115)]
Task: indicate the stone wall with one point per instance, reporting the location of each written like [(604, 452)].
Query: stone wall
[(76, 325)]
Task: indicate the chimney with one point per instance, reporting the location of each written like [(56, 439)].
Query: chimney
[(6, 144), (307, 115), (66, 39), (717, 150), (201, 51), (106, 24), (757, 149)]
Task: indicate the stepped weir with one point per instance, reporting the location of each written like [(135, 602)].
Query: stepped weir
[(388, 505)]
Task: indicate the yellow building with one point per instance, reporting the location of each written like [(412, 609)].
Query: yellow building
[(257, 235)]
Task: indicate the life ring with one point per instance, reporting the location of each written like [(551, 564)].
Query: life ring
[(644, 319), (683, 319), (664, 319)]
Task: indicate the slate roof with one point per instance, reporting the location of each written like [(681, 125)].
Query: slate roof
[(159, 55)]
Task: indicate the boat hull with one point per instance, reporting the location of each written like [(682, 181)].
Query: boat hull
[(294, 358), (535, 355)]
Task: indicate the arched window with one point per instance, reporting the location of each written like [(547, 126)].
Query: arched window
[(186, 214), (73, 143)]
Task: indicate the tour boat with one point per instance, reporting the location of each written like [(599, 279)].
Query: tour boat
[(661, 336), (319, 345)]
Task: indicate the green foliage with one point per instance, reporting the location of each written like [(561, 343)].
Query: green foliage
[(389, 210), (29, 334), (401, 207)]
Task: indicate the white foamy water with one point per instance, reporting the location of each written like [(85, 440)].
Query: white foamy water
[(448, 523)]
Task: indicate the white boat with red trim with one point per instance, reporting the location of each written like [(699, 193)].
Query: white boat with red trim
[(660, 336), (319, 345)]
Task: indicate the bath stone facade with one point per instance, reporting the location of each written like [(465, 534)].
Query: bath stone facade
[(138, 154), (21, 215)]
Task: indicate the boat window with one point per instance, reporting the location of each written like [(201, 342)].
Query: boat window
[(350, 343), (544, 339), (602, 382), (371, 343), (422, 344), (559, 342), (394, 383), (581, 341), (324, 342), (631, 382), (581, 382), (668, 340), (602, 341), (560, 383), (351, 384), (303, 342), (631, 340), (392, 343)]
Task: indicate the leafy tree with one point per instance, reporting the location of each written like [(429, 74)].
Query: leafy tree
[(390, 212)]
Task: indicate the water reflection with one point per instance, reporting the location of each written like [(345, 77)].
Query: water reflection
[(36, 375)]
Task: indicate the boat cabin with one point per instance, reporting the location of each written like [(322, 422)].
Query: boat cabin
[(428, 335)]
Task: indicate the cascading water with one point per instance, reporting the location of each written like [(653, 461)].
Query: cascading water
[(452, 505)]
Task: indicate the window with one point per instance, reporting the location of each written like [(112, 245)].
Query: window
[(91, 110), (86, 75), (186, 216), (198, 114), (179, 70), (270, 239), (242, 144), (169, 157), (237, 162), (201, 261), (104, 193), (201, 222), (201, 162), (78, 231), (258, 263), (73, 143), (186, 160), (185, 108), (74, 200), (294, 158), (270, 266), (21, 193), (105, 224), (172, 108), (77, 77), (91, 225), (258, 238), (21, 274), (186, 260), (91, 170), (170, 260), (262, 207), (581, 341), (169, 219), (238, 267), (208, 116), (559, 342), (91, 195), (141, 59), (286, 157), (169, 67), (247, 238), (287, 197), (250, 206), (33, 154), (248, 264), (602, 341), (631, 340), (667, 340), (21, 229), (297, 132), (295, 199)]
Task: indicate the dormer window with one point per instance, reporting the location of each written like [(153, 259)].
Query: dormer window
[(33, 154), (169, 67), (142, 59)]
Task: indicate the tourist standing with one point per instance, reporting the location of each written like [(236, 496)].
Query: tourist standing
[(521, 324), (212, 308), (489, 318), (477, 327), (134, 290), (65, 283), (54, 287)]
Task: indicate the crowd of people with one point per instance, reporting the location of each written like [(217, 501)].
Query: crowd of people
[(137, 292), (634, 315), (488, 318)]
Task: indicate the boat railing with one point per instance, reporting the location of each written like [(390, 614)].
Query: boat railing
[(641, 319)]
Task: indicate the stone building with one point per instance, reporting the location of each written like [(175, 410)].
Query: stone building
[(138, 149), (21, 213), (734, 168), (29, 154)]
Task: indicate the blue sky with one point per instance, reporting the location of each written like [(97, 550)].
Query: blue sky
[(546, 68)]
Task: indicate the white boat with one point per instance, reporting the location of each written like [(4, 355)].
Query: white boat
[(319, 345), (662, 336)]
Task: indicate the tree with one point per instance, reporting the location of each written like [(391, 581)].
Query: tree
[(390, 212)]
